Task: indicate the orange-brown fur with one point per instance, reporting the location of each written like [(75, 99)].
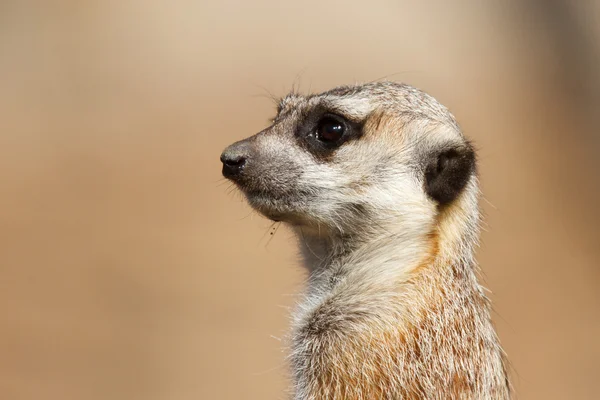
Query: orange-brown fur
[(446, 328), (380, 185)]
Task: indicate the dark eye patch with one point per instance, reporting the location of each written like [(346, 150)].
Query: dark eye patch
[(321, 131)]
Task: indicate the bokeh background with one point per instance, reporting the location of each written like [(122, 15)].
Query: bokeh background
[(128, 268)]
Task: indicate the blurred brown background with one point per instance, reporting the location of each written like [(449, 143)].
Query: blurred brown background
[(127, 270)]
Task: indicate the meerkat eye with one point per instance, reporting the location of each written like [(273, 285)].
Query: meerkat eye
[(330, 130)]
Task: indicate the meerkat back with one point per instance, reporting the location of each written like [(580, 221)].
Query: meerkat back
[(380, 186)]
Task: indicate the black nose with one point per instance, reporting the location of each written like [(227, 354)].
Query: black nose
[(233, 166), (234, 159)]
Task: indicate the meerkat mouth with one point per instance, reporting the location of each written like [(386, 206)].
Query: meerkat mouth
[(270, 207)]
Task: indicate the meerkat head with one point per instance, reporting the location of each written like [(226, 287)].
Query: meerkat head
[(354, 159)]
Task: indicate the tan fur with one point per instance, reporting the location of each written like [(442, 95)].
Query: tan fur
[(443, 347), (393, 308)]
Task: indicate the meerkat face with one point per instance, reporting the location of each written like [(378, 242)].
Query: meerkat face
[(351, 156)]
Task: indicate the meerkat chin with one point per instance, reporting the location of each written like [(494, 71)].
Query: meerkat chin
[(380, 185)]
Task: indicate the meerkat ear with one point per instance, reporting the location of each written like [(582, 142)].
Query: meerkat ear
[(448, 172)]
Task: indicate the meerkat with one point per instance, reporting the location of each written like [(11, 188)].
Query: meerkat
[(380, 186)]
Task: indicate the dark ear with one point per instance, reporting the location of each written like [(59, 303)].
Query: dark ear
[(448, 172)]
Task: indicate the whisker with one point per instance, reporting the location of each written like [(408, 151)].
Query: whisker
[(267, 95)]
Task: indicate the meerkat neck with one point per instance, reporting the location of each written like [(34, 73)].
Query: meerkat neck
[(427, 267), (408, 307), (389, 254), (383, 257)]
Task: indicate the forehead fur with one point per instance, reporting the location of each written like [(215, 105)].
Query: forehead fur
[(384, 109), (358, 101)]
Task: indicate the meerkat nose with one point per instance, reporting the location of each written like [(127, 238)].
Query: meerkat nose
[(234, 158)]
